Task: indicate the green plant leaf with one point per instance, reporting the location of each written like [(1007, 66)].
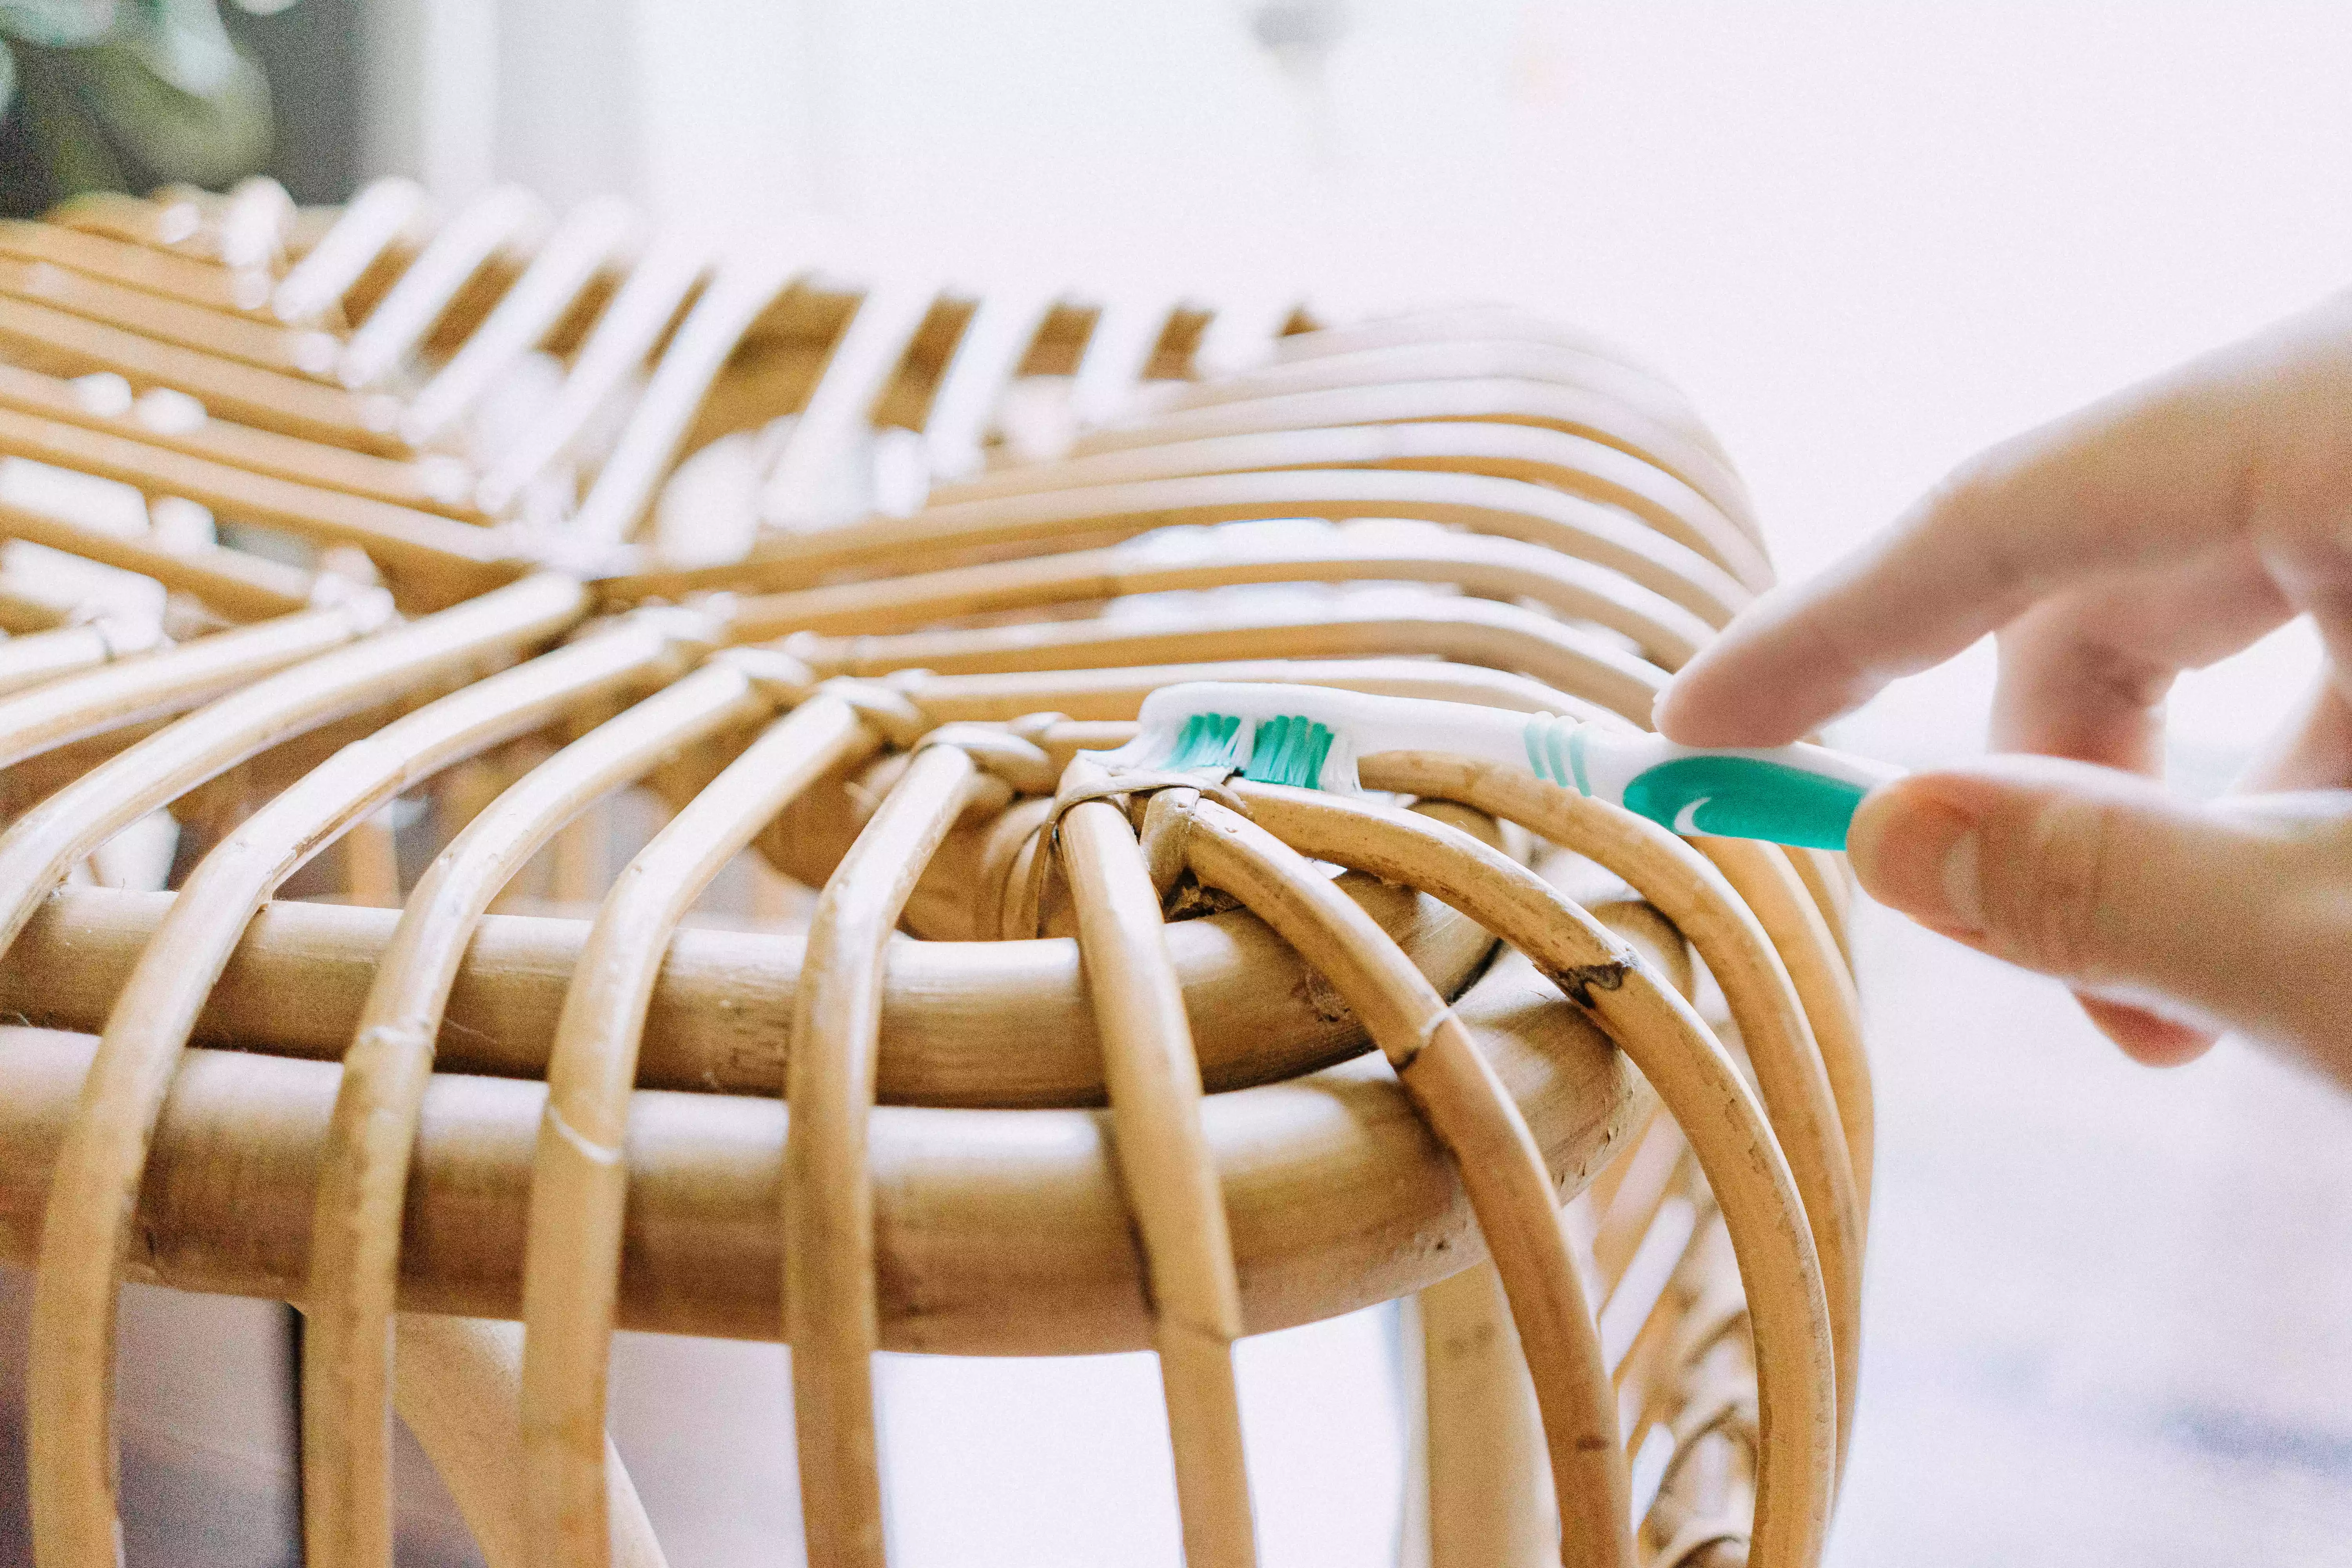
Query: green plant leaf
[(174, 94)]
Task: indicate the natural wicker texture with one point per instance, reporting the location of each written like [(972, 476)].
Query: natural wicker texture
[(941, 518)]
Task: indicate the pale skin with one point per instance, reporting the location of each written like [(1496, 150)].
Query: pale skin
[(2157, 531)]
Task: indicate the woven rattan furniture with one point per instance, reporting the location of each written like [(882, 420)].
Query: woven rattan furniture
[(518, 511)]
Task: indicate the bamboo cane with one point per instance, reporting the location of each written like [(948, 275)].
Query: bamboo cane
[(1697, 1082), (1453, 1089), (829, 1292), (97, 1179), (1154, 1082), (579, 1182), (355, 1250)]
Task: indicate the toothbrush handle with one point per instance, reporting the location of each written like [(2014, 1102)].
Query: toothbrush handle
[(1802, 795)]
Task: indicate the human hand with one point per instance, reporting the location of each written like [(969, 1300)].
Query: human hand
[(2158, 530)]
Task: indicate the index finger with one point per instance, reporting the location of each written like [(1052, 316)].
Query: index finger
[(2165, 472)]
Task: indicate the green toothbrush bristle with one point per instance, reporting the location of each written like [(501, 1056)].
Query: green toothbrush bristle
[(1208, 740), (1288, 750)]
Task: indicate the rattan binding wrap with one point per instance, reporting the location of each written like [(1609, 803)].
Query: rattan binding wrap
[(1040, 1070)]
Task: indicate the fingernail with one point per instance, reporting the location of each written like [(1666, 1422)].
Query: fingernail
[(1916, 852)]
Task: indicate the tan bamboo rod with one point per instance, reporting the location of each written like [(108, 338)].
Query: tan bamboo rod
[(290, 350), (1102, 514), (234, 583), (171, 681), (965, 1024), (94, 1187), (1537, 454), (353, 1273), (1003, 330), (1762, 877), (1337, 1195), (831, 1313), (495, 221), (291, 404), (665, 279), (1455, 1092), (1453, 323), (1696, 1079), (30, 605), (430, 557), (173, 218), (429, 484), (42, 844), (1483, 1485), (1153, 1075), (1782, 1027), (864, 361), (1501, 569), (1827, 878), (156, 272), (456, 1386), (1116, 692), (562, 274), (43, 657), (1121, 346), (1595, 416), (1472, 631), (376, 221), (739, 295), (1451, 359), (579, 1178)]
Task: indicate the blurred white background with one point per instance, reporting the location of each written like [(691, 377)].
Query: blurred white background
[(2110, 1320)]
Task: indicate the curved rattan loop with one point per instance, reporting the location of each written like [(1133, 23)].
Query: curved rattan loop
[(1666, 634), (175, 679), (659, 285), (565, 268), (362, 1177), (1698, 1083), (1472, 631), (1155, 1090), (1573, 464), (1776, 1024), (41, 845), (1576, 411), (1640, 394), (1507, 508), (1453, 1089), (739, 293), (829, 1311), (92, 1193), (579, 1183), (1763, 877)]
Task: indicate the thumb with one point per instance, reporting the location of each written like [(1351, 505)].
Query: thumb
[(2101, 879)]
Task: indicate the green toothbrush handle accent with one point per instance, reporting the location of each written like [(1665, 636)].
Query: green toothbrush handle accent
[(1745, 798)]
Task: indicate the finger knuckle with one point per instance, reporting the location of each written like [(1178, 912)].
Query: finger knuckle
[(2059, 903)]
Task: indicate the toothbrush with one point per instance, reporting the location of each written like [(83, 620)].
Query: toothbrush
[(1310, 736)]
